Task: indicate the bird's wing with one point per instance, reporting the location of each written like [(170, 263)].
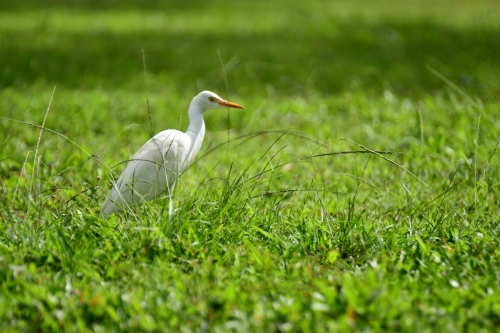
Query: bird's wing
[(153, 170)]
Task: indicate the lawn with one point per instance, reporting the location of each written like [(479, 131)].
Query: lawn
[(357, 191)]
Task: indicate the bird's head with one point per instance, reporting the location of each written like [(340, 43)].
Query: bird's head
[(207, 100)]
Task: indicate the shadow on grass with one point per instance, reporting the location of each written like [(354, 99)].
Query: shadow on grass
[(292, 59)]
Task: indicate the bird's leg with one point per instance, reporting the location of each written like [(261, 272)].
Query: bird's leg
[(170, 205)]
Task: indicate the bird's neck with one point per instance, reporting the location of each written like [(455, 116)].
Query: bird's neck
[(196, 126), (195, 130)]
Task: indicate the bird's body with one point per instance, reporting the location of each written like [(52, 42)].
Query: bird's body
[(156, 167)]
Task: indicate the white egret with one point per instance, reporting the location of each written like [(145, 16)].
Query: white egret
[(155, 168)]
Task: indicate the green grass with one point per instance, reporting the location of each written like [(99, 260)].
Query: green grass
[(295, 224)]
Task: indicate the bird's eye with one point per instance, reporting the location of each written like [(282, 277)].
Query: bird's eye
[(211, 99)]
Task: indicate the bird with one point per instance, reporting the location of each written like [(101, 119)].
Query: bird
[(155, 168)]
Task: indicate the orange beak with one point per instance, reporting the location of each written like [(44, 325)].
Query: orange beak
[(229, 104)]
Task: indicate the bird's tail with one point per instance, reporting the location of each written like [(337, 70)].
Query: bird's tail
[(109, 206)]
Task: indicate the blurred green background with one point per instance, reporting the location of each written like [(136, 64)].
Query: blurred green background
[(289, 47)]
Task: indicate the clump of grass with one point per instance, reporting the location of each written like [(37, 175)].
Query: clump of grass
[(282, 227)]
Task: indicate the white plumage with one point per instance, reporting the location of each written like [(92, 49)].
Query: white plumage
[(156, 167)]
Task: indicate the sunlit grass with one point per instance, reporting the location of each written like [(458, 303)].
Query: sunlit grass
[(357, 190)]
